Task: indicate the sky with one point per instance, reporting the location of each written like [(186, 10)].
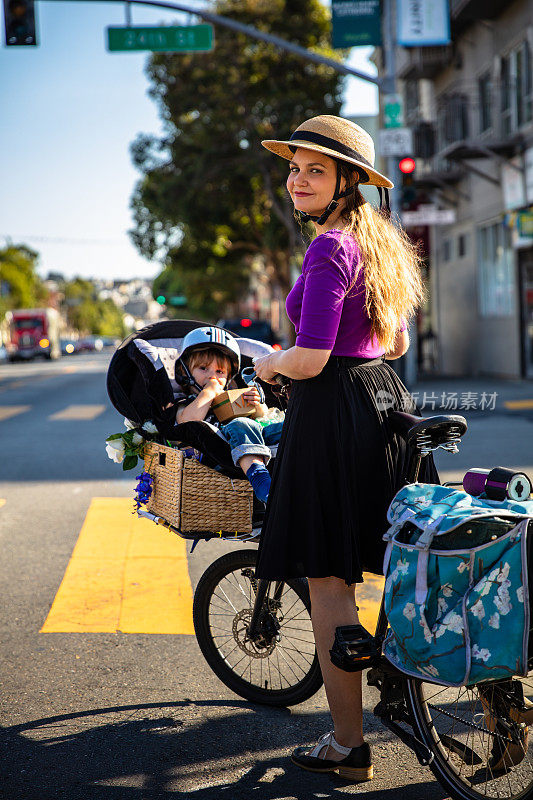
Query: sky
[(69, 111)]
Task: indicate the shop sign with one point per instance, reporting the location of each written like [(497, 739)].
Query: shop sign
[(524, 224), (422, 23), (355, 23), (514, 195)]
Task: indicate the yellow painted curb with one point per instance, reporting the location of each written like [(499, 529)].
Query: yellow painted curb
[(125, 574), (518, 404)]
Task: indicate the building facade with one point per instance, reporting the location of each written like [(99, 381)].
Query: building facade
[(470, 106)]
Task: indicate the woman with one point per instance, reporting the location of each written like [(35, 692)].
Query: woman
[(338, 464)]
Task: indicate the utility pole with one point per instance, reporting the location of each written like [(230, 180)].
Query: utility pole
[(406, 366)]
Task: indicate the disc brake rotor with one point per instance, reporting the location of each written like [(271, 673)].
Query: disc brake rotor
[(258, 648)]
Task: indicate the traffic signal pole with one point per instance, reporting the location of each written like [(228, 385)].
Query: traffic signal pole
[(248, 30), (406, 366)]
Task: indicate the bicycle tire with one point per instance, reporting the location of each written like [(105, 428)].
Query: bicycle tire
[(462, 731), (222, 639)]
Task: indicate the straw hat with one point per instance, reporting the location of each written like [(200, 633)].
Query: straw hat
[(338, 138)]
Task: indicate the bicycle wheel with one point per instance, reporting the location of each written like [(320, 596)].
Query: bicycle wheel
[(478, 735), (280, 666)]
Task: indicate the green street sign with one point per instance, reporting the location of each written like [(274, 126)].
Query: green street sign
[(165, 39), (355, 23), (393, 111)]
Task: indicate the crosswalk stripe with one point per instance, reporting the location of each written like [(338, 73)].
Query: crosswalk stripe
[(6, 412), (125, 574), (80, 412), (518, 404), (368, 598)]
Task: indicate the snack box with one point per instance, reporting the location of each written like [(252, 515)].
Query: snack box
[(231, 404)]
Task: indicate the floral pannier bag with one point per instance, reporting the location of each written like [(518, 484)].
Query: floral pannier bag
[(456, 588)]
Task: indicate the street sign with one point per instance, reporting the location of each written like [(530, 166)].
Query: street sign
[(395, 142), (428, 215), (165, 39), (393, 111)]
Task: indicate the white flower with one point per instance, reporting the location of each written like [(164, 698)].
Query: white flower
[(409, 611), (149, 427), (502, 601), (442, 606), (453, 622), (129, 424), (494, 621), (401, 568), (462, 566), (136, 439), (480, 655), (520, 594), (447, 590), (115, 450), (423, 624), (477, 609), (504, 573)]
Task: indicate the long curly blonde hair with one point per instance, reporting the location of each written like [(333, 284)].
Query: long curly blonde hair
[(394, 288)]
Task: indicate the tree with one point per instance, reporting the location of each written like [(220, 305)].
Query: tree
[(20, 286), (87, 314), (211, 197)]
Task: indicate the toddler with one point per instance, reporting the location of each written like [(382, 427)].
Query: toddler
[(210, 358)]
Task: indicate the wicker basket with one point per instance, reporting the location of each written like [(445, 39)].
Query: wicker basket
[(194, 498)]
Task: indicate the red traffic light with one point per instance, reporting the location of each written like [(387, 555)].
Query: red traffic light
[(407, 165), (245, 323)]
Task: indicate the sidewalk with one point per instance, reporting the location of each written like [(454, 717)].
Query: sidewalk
[(472, 394), (499, 414)]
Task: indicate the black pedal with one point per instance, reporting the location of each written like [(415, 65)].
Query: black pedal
[(354, 649)]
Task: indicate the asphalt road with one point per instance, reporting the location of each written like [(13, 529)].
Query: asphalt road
[(134, 716)]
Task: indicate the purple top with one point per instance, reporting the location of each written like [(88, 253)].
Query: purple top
[(324, 316)]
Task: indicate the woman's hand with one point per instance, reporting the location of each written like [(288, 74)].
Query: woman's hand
[(265, 367)]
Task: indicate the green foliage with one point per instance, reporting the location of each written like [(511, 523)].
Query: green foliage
[(211, 197), (20, 286), (87, 314)]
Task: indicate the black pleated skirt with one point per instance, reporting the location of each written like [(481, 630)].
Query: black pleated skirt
[(337, 469)]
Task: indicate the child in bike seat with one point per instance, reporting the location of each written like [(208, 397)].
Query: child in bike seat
[(210, 358)]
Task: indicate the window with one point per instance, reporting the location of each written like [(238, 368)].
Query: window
[(412, 99), (505, 95), (463, 245), (516, 89), (447, 250), (455, 118), (485, 91), (496, 274)]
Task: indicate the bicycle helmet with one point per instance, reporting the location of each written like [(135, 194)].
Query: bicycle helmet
[(208, 338)]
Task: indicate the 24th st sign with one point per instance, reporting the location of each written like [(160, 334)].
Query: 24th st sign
[(165, 38)]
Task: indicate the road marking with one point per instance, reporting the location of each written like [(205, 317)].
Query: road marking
[(518, 404), (125, 574), (368, 598), (79, 412), (6, 412)]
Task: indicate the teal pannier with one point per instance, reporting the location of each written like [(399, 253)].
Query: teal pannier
[(456, 585)]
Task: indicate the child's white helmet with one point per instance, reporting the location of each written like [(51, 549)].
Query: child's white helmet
[(216, 338)]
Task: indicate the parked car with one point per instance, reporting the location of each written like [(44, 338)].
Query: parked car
[(258, 329), (68, 346)]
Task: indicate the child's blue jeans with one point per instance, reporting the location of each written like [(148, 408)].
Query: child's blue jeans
[(248, 438)]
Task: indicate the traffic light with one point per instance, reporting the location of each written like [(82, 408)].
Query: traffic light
[(407, 168), (19, 21)]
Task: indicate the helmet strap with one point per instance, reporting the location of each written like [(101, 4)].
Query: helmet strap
[(186, 380), (384, 202)]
